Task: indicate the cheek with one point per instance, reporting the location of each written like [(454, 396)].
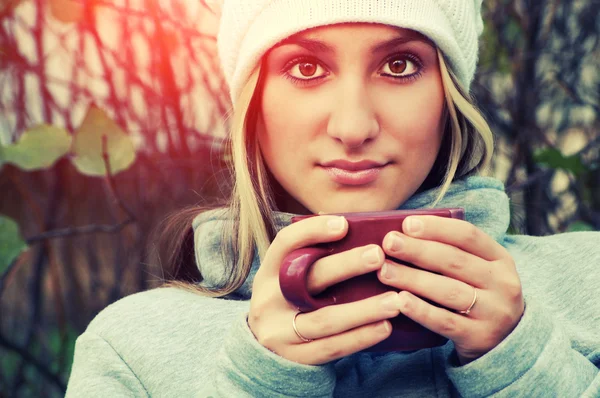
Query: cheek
[(415, 116), (277, 115), (290, 117), (272, 126), (279, 130)]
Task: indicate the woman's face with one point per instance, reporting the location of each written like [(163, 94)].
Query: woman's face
[(351, 117)]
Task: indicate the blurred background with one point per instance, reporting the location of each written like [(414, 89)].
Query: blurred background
[(113, 114)]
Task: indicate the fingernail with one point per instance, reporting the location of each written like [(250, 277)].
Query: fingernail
[(414, 225), (385, 327), (336, 224), (389, 271), (392, 302), (395, 243), (371, 256)]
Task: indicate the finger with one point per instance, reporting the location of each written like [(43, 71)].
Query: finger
[(303, 233), (445, 291), (339, 267), (440, 258), (335, 319), (439, 320), (334, 347), (458, 233)]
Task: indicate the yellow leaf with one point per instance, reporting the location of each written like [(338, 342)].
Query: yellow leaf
[(38, 147), (87, 145)]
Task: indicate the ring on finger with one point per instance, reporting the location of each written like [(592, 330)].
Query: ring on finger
[(304, 339), (468, 310)]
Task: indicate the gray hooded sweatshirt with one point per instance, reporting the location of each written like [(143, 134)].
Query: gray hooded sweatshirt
[(168, 342)]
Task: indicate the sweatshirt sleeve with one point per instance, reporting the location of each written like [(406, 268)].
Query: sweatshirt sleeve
[(99, 371), (535, 360), (247, 369), (173, 342)]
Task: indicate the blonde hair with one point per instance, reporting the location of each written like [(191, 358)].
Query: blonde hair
[(468, 151), (472, 143)]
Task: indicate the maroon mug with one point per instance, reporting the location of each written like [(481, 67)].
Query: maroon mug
[(363, 229)]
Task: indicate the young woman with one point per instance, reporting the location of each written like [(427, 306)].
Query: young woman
[(343, 106)]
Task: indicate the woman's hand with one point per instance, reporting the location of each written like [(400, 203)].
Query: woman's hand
[(337, 330), (456, 260)]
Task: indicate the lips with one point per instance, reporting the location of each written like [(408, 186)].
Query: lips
[(359, 173), (353, 166)]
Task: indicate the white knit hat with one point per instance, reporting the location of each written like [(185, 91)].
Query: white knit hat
[(249, 28)]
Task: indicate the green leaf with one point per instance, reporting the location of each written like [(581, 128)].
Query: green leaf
[(2, 161), (11, 243), (61, 354), (553, 158), (38, 147), (548, 156), (513, 31), (493, 55), (9, 364), (579, 226), (87, 145)]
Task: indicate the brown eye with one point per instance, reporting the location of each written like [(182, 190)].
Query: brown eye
[(307, 69), (398, 66)]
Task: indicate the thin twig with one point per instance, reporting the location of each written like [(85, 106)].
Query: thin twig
[(11, 268), (76, 231), (539, 175), (589, 146), (572, 93), (546, 172), (111, 182), (94, 228)]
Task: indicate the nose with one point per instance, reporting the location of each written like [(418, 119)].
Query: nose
[(353, 120)]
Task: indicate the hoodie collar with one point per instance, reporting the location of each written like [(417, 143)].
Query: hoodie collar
[(484, 200)]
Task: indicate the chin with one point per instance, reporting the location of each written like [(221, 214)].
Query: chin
[(355, 205)]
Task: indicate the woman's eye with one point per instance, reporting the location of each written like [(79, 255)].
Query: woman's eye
[(306, 70), (400, 67)]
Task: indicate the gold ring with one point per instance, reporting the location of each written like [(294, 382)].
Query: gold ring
[(468, 310), (304, 339)]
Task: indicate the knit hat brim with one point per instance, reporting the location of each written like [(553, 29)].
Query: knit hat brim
[(275, 22)]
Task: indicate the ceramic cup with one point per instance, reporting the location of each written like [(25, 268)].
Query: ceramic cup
[(363, 229)]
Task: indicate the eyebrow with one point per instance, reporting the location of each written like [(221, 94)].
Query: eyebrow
[(318, 46)]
